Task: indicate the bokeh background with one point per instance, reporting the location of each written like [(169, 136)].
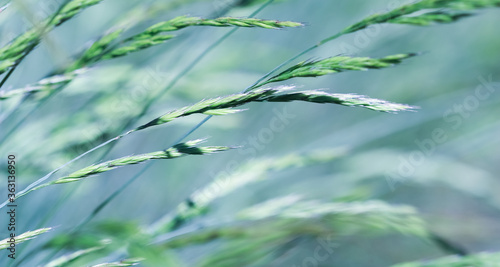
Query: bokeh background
[(455, 187)]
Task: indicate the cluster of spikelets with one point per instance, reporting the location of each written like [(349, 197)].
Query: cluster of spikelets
[(299, 216)]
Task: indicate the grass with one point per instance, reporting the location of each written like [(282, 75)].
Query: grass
[(255, 234)]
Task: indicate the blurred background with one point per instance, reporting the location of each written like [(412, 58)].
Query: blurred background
[(442, 159)]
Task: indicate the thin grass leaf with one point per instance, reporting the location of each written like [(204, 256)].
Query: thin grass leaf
[(335, 65), (179, 150), (476, 260), (23, 237)]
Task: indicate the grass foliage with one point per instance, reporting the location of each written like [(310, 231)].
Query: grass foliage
[(259, 234)]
